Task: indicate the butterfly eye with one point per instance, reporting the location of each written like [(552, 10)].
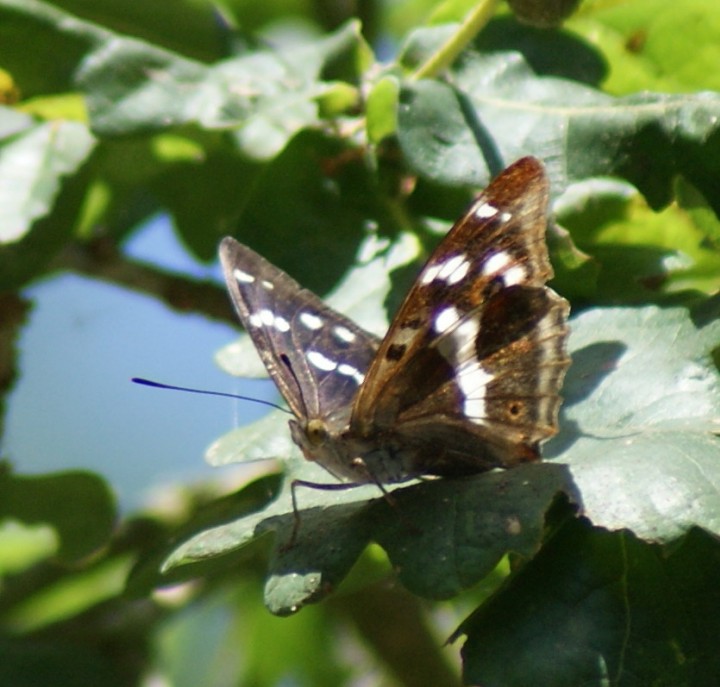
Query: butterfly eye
[(316, 432)]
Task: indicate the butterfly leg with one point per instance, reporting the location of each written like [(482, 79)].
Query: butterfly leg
[(340, 486)]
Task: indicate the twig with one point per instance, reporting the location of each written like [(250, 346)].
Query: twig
[(442, 58)]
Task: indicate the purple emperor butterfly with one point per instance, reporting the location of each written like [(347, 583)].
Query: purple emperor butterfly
[(467, 377)]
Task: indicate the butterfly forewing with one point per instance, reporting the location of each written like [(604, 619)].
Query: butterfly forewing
[(476, 350), (316, 356)]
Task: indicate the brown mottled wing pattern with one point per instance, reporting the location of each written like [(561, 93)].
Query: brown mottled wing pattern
[(470, 371)]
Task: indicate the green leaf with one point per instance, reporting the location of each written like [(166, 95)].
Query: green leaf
[(650, 44), (639, 255), (543, 13), (34, 158), (265, 96), (205, 194), (41, 662), (329, 199), (549, 53), (382, 109), (596, 608), (249, 561), (136, 87), (437, 537), (59, 42), (265, 439), (78, 505), (43, 179), (699, 212)]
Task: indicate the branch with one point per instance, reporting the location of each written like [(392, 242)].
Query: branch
[(101, 259)]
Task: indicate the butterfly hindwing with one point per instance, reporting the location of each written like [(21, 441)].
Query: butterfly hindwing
[(316, 356)]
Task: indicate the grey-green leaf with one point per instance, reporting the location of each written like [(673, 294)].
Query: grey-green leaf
[(641, 419), (497, 109)]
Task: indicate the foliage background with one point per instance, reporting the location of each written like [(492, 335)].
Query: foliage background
[(278, 122)]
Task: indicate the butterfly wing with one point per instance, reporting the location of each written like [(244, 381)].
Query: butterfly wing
[(471, 368), (316, 356)]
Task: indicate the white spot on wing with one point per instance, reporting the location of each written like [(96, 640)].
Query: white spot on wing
[(281, 324), (455, 269), (473, 381), (242, 277), (350, 371), (496, 262), (452, 270), (515, 275), (503, 262), (266, 318), (310, 321), (465, 335), (322, 362), (344, 334), (405, 335), (450, 265), (445, 319), (486, 211), (267, 285), (430, 274), (458, 348)]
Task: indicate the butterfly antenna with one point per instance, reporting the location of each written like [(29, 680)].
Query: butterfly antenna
[(159, 385)]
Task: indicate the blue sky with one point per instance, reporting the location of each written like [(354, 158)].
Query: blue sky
[(74, 405)]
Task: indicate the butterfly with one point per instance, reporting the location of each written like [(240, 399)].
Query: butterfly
[(467, 377)]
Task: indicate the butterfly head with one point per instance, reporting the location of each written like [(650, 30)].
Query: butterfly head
[(317, 432), (320, 445)]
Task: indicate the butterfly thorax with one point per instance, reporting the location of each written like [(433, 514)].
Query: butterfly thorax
[(347, 457)]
